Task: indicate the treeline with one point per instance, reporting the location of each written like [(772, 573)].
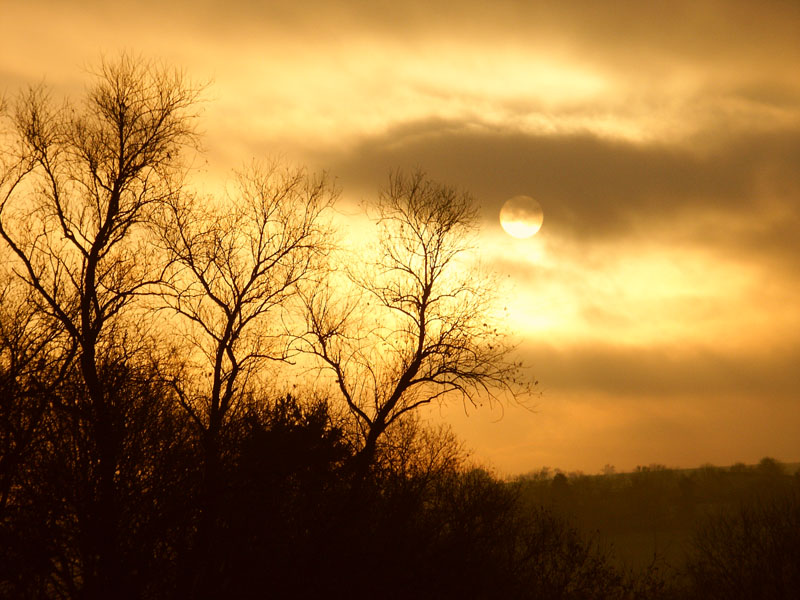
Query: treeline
[(656, 497), (710, 532)]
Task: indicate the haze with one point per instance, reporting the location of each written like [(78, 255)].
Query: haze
[(658, 304)]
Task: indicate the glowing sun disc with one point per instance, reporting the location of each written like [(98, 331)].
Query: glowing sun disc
[(521, 216)]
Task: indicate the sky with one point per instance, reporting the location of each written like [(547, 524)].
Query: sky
[(657, 306)]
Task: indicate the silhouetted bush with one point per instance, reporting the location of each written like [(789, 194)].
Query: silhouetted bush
[(42, 532)]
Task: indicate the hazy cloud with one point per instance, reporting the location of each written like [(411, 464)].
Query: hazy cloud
[(592, 187), (661, 138), (617, 371)]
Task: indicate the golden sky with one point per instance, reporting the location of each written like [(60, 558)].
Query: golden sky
[(659, 304)]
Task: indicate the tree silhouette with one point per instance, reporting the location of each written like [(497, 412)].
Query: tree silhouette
[(416, 326), (28, 363), (79, 187), (235, 269)]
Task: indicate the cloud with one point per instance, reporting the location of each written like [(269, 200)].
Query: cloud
[(710, 28), (643, 40), (664, 372), (334, 71), (590, 187), (578, 430)]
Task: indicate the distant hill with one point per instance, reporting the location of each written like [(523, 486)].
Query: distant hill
[(654, 510)]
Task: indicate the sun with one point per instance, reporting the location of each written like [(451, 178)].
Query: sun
[(521, 216)]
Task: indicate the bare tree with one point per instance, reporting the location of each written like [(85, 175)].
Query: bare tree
[(416, 328), (237, 267), (80, 184), (31, 365)]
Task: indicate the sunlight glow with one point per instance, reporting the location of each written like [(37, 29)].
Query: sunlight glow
[(634, 298)]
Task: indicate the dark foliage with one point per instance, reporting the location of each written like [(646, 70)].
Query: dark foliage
[(289, 521), (752, 552)]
